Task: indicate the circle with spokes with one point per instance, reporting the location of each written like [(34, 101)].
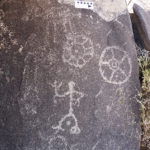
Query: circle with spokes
[(115, 65), (78, 50)]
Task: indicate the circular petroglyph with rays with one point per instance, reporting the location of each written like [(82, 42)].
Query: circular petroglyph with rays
[(115, 65), (78, 50)]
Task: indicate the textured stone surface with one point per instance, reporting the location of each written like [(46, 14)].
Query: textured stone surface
[(143, 21), (68, 77)]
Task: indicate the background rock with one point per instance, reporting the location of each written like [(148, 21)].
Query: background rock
[(69, 79)]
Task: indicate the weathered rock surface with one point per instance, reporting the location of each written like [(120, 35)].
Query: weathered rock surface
[(142, 17), (68, 77)]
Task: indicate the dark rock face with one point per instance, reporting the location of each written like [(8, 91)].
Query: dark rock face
[(69, 77), (142, 17)]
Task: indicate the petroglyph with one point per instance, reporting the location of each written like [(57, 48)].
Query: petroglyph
[(30, 100), (115, 65), (55, 26), (111, 144), (100, 91), (57, 142), (78, 50), (74, 100), (120, 93), (78, 146)]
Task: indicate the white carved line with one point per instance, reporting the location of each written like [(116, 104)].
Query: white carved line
[(111, 144)]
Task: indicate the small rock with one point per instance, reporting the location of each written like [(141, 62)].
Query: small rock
[(142, 17)]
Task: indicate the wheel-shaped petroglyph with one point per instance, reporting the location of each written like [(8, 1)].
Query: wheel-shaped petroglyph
[(57, 142), (69, 120), (78, 50), (115, 65)]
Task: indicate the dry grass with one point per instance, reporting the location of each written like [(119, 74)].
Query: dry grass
[(144, 65)]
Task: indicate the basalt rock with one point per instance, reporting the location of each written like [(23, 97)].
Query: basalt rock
[(68, 77), (142, 17)]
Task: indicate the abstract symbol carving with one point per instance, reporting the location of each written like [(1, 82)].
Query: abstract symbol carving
[(109, 141), (78, 50), (78, 146), (57, 142), (111, 144), (115, 65), (74, 100)]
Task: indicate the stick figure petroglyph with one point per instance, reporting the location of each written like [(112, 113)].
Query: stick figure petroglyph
[(74, 98), (115, 65)]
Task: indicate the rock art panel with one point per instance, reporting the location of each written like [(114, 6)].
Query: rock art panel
[(70, 78)]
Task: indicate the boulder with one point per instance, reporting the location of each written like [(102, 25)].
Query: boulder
[(68, 76), (142, 17)]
